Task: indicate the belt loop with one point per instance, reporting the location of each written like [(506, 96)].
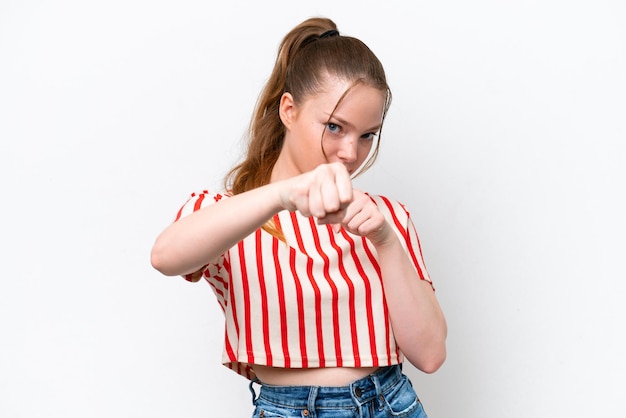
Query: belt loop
[(254, 397), (379, 393), (310, 411)]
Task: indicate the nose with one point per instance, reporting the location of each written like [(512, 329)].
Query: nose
[(347, 151)]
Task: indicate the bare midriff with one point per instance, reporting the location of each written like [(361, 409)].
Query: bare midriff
[(328, 376)]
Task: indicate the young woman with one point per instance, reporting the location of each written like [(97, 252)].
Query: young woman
[(323, 286)]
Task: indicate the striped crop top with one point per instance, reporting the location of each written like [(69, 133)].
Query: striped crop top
[(315, 300)]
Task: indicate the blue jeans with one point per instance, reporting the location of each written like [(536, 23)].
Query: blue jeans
[(385, 393)]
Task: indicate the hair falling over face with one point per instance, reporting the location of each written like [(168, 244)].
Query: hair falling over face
[(374, 152), (303, 62), (307, 56)]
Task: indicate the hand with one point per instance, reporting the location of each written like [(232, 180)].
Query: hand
[(323, 192), (363, 218)]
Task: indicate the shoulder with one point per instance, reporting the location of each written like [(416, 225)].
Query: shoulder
[(199, 199), (389, 205), (208, 194)]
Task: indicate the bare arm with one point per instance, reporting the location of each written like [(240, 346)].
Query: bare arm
[(195, 240), (201, 237), (416, 317)]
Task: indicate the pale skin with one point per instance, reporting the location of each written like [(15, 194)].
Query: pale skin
[(304, 180)]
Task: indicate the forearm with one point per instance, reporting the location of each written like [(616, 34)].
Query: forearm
[(201, 237), (416, 317)]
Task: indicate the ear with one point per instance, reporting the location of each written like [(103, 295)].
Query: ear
[(287, 110)]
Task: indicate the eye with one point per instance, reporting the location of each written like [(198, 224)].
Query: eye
[(333, 128), (369, 136)]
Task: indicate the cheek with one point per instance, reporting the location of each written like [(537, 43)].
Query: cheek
[(364, 148), (314, 137), (363, 151)]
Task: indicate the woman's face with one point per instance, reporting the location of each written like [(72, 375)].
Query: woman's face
[(348, 136)]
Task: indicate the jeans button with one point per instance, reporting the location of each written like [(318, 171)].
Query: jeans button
[(358, 392)]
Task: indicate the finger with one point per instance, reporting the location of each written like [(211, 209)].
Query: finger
[(359, 203), (330, 196), (301, 204), (335, 226), (332, 218), (363, 216), (364, 228), (355, 222), (324, 193), (343, 184), (316, 200)]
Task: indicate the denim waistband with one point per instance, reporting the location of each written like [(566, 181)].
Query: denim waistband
[(360, 391)]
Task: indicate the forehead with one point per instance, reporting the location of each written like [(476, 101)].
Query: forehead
[(348, 100)]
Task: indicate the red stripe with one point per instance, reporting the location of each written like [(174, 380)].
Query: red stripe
[(264, 312), (197, 204), (218, 291), (374, 262), (297, 233), (217, 279), (229, 349), (333, 288), (227, 283), (220, 298), (300, 302), (179, 213), (368, 297), (351, 299), (417, 239), (246, 302), (232, 302), (284, 336), (404, 233), (316, 292)]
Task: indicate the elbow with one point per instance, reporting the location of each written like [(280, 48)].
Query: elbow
[(158, 260), (432, 364), (167, 260), (429, 362)]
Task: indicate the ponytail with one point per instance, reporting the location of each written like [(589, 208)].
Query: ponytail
[(266, 131), (306, 55)]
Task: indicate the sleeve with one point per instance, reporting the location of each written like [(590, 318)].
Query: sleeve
[(415, 251), (400, 218), (196, 202)]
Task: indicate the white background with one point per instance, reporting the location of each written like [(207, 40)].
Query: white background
[(505, 139)]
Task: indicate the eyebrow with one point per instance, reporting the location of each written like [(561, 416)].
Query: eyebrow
[(345, 122)]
